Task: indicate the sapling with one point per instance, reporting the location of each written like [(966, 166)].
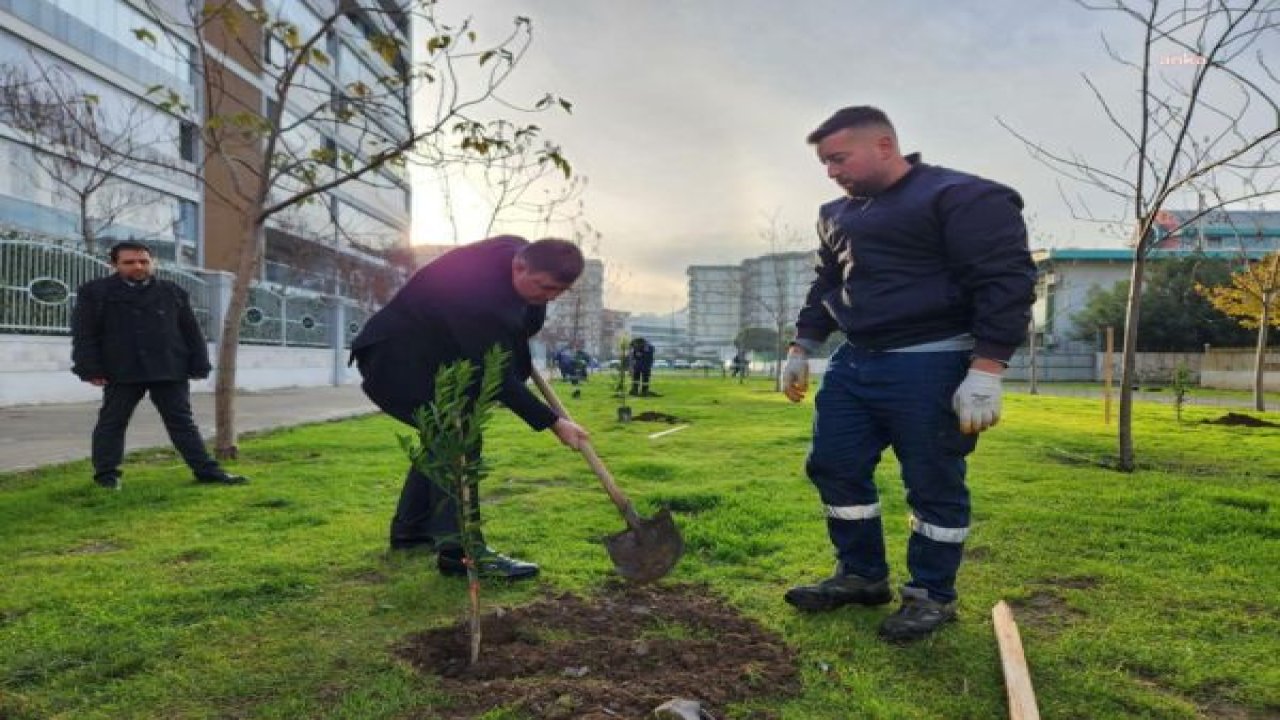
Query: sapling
[(446, 450), (620, 387), (1181, 386)]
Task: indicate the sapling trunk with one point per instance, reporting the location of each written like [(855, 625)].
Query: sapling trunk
[(447, 452)]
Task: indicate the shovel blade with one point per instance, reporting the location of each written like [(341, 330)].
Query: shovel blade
[(647, 550)]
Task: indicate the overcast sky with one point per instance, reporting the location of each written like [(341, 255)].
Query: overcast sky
[(689, 116)]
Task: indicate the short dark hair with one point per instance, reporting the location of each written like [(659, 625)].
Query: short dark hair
[(128, 245), (559, 258), (857, 116)]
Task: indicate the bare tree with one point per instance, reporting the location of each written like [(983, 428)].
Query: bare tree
[(81, 149), (774, 287), (514, 185), (323, 127), (573, 320), (1206, 112)]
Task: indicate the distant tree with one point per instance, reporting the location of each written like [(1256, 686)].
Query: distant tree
[(1175, 317), (1203, 111), (777, 291), (756, 339), (1253, 298), (82, 149)]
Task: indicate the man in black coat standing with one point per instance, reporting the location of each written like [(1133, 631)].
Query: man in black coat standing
[(134, 334), (493, 292)]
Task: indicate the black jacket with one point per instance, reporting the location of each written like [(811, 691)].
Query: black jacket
[(642, 355), (938, 254), (130, 334), (458, 306)]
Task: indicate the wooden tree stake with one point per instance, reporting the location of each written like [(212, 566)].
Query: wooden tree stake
[(1017, 679)]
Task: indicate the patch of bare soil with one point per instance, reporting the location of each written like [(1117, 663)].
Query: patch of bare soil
[(651, 416), (617, 655), (1240, 420)]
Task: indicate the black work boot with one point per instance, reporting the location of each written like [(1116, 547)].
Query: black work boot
[(491, 565), (635, 390), (918, 617), (221, 477), (839, 589), (108, 480)]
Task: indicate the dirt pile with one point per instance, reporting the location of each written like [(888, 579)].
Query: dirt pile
[(651, 416), (1240, 420), (618, 655)]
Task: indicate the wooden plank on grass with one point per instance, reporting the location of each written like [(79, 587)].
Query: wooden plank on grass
[(1017, 678)]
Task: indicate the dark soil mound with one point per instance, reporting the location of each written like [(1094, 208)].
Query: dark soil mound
[(619, 655), (1240, 420), (651, 416)]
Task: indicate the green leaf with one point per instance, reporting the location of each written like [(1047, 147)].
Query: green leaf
[(486, 56), (145, 36), (568, 106)]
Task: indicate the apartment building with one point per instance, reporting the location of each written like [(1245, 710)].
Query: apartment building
[(138, 59), (715, 309)]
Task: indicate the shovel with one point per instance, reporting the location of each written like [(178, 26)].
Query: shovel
[(648, 548)]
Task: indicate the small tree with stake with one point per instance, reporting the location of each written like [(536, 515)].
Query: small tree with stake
[(447, 450), (620, 386)]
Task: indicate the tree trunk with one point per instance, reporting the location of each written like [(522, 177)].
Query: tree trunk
[(779, 350), (1033, 370), (1128, 372), (224, 392), (86, 226), (1260, 357)]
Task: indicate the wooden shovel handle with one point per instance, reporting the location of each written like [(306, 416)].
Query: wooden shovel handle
[(597, 465)]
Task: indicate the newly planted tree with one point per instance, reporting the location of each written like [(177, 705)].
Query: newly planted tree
[(446, 450)]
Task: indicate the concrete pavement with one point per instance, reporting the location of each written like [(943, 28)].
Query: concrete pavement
[(35, 435)]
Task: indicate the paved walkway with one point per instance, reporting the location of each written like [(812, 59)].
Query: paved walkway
[(35, 435)]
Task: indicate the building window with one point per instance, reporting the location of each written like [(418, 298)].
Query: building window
[(187, 142)]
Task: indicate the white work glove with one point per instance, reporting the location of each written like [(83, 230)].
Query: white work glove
[(795, 376), (977, 401)]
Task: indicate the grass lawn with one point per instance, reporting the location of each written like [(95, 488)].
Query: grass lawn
[(1153, 595)]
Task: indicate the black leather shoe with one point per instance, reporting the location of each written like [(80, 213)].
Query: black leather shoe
[(838, 590), (490, 564), (918, 617), (110, 481), (222, 477)]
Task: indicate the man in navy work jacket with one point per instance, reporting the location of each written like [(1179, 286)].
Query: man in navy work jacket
[(133, 334), (493, 292), (926, 271)]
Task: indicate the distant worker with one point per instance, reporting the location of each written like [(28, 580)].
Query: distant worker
[(739, 364), (926, 271), (641, 357), (133, 334)]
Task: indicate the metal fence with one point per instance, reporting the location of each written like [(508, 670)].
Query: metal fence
[(38, 283), (275, 318)]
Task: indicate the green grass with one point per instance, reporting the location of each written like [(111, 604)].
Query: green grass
[(1152, 595)]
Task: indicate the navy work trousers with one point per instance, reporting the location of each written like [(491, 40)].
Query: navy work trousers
[(873, 400)]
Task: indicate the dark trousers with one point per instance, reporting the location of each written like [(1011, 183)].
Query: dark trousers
[(397, 379), (870, 401), (640, 377), (172, 400), (427, 515)]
